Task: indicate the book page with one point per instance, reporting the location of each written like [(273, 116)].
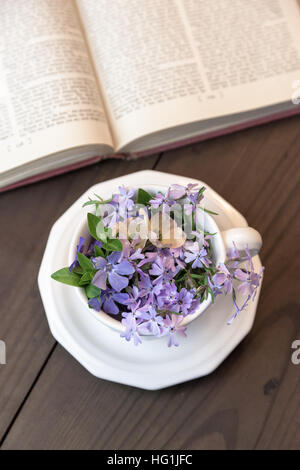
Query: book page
[(49, 95), (168, 63)]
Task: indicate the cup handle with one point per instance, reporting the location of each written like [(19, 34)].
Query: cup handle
[(242, 237)]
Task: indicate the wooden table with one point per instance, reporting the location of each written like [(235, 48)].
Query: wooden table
[(49, 401)]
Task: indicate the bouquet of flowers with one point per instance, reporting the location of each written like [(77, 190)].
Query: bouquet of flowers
[(152, 267)]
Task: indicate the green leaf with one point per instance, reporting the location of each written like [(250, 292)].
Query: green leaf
[(66, 277), (98, 251), (208, 211), (85, 262), (143, 197), (113, 245), (78, 270), (92, 291), (101, 231), (197, 276), (93, 222), (86, 278)]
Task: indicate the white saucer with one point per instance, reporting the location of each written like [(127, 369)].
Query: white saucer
[(151, 365)]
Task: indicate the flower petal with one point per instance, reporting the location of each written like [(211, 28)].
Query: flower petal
[(124, 268), (95, 304), (117, 282), (109, 306), (99, 280)]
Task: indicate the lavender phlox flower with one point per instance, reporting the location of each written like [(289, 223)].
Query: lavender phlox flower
[(202, 239), (196, 255), (177, 191), (95, 303), (112, 269), (178, 256), (108, 299), (161, 269), (79, 248), (134, 297), (173, 329), (150, 257), (192, 188), (193, 199), (147, 288), (223, 278), (233, 253), (124, 199), (194, 306), (250, 281), (152, 322), (130, 253), (216, 290), (171, 299), (110, 215), (131, 331), (164, 200), (168, 297), (237, 309), (184, 301)]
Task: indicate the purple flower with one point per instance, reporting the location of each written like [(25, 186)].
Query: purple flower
[(95, 303), (177, 191), (237, 309), (173, 329), (161, 269), (152, 322), (147, 288), (131, 331), (193, 197), (150, 257), (168, 297), (112, 269), (178, 256), (216, 290), (160, 199), (233, 253), (79, 248), (171, 299), (202, 240), (124, 199), (184, 301), (250, 281), (223, 278), (108, 299), (197, 256)]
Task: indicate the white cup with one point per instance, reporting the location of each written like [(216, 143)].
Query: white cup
[(221, 242)]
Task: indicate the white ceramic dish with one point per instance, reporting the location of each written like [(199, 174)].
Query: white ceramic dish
[(100, 349)]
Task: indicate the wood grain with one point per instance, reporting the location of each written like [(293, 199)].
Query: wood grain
[(251, 401), (27, 215)]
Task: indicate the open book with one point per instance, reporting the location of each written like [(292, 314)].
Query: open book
[(82, 80)]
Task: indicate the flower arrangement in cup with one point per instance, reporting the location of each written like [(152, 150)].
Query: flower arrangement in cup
[(149, 260)]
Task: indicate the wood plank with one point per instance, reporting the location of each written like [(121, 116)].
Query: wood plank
[(27, 215), (252, 400)]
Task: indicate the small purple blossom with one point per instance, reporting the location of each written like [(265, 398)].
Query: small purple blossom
[(152, 322), (161, 269), (173, 329), (197, 256), (131, 329), (124, 199), (223, 279), (112, 269)]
